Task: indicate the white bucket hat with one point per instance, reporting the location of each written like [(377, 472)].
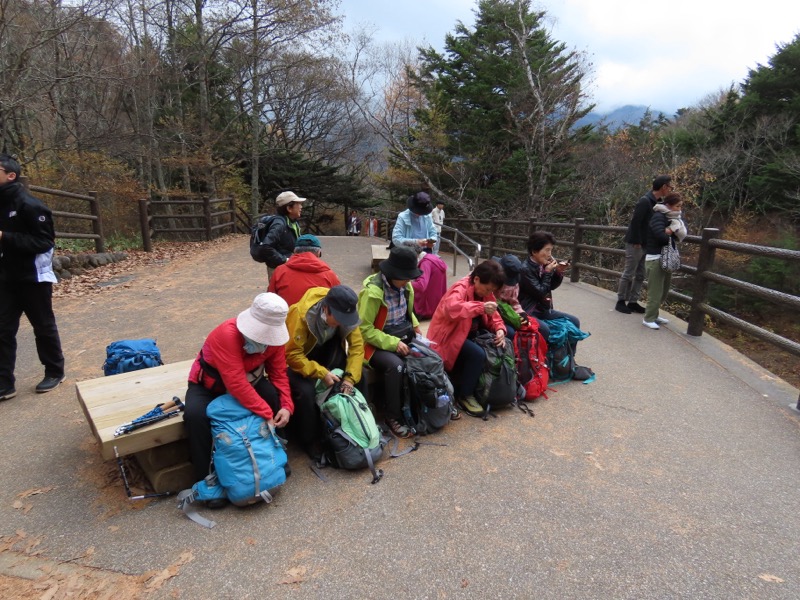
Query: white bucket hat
[(265, 321)]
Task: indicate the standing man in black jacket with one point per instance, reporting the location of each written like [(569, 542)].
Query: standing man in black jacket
[(630, 283), (27, 240)]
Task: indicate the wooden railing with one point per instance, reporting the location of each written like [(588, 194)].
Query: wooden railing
[(92, 217), (505, 236), (203, 218)]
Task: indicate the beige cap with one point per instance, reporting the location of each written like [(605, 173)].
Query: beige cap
[(285, 198)]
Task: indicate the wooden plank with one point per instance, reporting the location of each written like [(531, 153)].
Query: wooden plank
[(108, 402), (379, 253)]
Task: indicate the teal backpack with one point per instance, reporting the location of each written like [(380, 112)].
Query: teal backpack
[(560, 352), (248, 461)]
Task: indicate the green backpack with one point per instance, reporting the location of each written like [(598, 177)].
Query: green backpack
[(497, 385), (352, 437)]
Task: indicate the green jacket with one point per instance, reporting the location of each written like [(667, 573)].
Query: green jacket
[(372, 309)]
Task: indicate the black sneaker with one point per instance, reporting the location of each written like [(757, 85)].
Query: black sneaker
[(217, 503), (48, 384), (8, 393), (621, 307), (636, 307)]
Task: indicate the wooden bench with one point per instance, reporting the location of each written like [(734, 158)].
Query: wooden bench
[(160, 449), (379, 252)]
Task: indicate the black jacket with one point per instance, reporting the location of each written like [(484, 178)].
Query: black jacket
[(26, 248), (278, 244), (535, 288), (642, 212), (657, 238)]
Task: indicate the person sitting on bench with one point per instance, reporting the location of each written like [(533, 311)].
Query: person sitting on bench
[(324, 336), (243, 357)]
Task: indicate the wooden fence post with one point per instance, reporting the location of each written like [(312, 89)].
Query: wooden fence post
[(97, 223), (144, 223), (577, 239), (705, 262), (492, 237), (232, 202), (207, 216)]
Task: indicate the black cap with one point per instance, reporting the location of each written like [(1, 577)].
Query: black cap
[(420, 204), (342, 303), (401, 264)]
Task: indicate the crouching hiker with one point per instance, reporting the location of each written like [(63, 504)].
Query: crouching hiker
[(243, 357), (324, 335)]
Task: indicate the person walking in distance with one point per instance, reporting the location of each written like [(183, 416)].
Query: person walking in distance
[(437, 215), (630, 283), (27, 242)]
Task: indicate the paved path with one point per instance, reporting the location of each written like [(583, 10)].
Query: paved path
[(674, 475)]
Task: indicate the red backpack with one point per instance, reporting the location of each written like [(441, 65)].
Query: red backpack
[(531, 351)]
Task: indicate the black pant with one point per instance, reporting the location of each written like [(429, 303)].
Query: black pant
[(36, 301), (198, 425), (391, 366), (305, 426)]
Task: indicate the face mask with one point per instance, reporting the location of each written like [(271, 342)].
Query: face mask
[(252, 347)]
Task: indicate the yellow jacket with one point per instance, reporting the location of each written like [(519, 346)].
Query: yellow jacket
[(302, 339)]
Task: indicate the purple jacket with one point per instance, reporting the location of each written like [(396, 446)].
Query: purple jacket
[(430, 286)]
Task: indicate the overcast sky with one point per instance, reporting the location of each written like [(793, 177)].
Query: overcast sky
[(662, 54)]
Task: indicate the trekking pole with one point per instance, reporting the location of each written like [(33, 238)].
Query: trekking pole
[(162, 411), (121, 466)]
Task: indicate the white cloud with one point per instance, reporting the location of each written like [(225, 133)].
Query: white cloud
[(659, 53)]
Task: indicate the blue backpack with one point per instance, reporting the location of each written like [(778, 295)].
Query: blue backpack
[(247, 464), (131, 355)]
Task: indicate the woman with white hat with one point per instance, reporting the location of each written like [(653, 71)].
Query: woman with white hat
[(244, 357)]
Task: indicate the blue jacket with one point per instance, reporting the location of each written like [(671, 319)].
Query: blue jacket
[(402, 233)]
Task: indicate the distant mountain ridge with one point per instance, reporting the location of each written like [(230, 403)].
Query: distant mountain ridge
[(618, 118)]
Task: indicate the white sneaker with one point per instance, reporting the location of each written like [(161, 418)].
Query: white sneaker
[(651, 325), (662, 320)]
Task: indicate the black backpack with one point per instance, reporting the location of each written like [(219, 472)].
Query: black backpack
[(428, 391), (497, 385), (259, 251)]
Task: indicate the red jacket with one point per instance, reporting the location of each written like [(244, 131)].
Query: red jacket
[(224, 351), (299, 274), (453, 319)]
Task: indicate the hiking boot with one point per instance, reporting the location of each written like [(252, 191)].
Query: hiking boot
[(636, 307), (455, 414), (662, 320), (470, 406), (48, 384), (621, 307), (651, 324), (8, 393), (399, 429)]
